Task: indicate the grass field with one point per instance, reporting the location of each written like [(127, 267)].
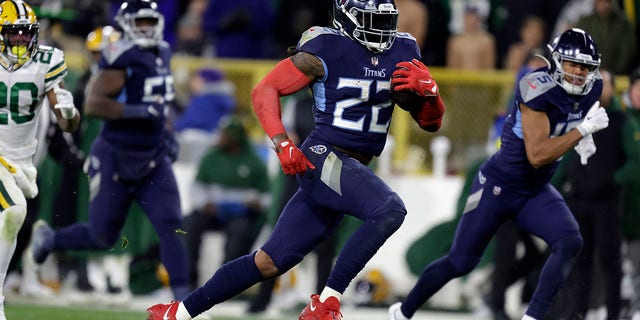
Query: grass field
[(48, 312), (65, 308), (40, 312), (43, 311)]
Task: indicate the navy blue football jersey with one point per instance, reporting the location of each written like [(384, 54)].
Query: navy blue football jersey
[(149, 80), (538, 91), (352, 102)]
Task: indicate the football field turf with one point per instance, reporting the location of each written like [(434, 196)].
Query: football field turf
[(62, 307), (49, 312)]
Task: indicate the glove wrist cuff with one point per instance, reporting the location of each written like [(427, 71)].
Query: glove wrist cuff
[(584, 132), (133, 111), (70, 114)]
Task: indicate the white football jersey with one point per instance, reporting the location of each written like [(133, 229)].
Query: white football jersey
[(22, 93)]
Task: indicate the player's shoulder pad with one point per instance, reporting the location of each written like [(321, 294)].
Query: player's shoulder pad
[(314, 33), (163, 45), (115, 50), (405, 35), (535, 84), (53, 59), (48, 55), (409, 44)]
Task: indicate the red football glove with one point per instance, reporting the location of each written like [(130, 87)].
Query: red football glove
[(414, 75), (292, 160)]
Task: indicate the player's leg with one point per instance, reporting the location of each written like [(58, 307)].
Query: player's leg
[(365, 196), (547, 216), (195, 225), (300, 227), (109, 204), (608, 244), (13, 206), (572, 300), (486, 208), (159, 197)]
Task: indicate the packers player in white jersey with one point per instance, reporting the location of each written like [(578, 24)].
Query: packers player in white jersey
[(28, 74)]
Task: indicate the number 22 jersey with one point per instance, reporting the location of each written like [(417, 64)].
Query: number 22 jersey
[(352, 102)]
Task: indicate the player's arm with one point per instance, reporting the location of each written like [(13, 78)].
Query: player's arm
[(287, 77), (101, 90), (61, 103), (415, 76), (429, 116), (540, 147), (100, 100)]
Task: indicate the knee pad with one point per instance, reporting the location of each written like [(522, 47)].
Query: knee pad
[(568, 247), (390, 216), (12, 219)]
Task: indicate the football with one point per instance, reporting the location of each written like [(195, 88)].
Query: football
[(407, 99)]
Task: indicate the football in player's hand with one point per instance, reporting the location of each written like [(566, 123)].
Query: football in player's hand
[(408, 100)]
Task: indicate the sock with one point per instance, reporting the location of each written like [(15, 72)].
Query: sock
[(328, 292), (526, 317), (182, 313), (398, 315), (231, 279)]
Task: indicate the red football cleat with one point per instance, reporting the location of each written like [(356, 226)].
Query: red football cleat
[(163, 311), (316, 310)]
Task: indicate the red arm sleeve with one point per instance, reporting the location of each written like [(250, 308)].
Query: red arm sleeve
[(429, 117), (284, 79)]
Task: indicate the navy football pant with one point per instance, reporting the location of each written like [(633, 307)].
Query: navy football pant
[(157, 195), (339, 185), (488, 206)]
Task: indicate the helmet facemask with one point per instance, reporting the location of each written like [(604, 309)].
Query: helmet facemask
[(19, 42), (143, 27), (374, 28), (573, 83)]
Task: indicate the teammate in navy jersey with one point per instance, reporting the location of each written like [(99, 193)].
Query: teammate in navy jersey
[(556, 108), (349, 69), (130, 159)]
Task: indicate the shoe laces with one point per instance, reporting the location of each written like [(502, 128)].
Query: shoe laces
[(332, 306)]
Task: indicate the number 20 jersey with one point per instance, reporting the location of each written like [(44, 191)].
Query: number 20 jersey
[(22, 93), (352, 102)]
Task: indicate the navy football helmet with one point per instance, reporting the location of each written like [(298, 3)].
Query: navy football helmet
[(373, 23), (130, 17), (577, 46)]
